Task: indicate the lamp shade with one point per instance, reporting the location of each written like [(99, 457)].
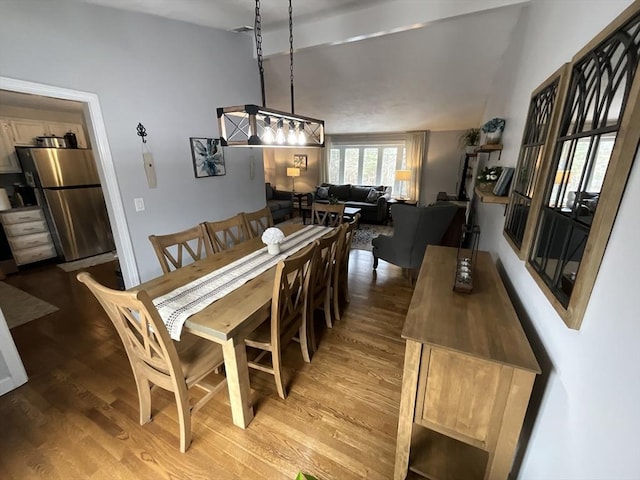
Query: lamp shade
[(293, 172), (403, 175)]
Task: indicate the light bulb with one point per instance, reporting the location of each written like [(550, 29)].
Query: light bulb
[(280, 132), (267, 135), (291, 138), (302, 137)]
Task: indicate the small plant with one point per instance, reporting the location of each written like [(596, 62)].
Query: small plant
[(333, 200), (493, 125), (470, 138), (489, 174)]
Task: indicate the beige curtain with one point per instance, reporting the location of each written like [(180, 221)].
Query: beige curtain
[(416, 144), (323, 170)]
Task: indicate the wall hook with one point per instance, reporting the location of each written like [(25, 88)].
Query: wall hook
[(142, 132)]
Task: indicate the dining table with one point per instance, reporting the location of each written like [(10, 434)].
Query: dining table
[(228, 320)]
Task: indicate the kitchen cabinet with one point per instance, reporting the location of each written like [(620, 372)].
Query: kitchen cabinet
[(59, 129), (24, 132), (8, 159), (468, 375), (28, 234)]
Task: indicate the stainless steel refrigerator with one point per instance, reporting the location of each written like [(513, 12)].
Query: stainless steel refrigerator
[(67, 182)]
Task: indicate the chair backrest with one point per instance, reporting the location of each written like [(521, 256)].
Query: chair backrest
[(341, 268), (416, 227), (151, 351), (170, 249), (258, 221), (290, 296), (227, 233), (323, 265), (327, 214)]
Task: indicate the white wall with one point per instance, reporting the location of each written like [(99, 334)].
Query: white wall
[(586, 424), (168, 75)]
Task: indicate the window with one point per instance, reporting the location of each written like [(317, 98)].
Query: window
[(366, 162)]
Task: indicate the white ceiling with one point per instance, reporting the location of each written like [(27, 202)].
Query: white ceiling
[(369, 65)]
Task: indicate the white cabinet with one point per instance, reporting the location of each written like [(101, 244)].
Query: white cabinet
[(59, 129), (28, 234), (23, 132), (8, 159), (26, 131)]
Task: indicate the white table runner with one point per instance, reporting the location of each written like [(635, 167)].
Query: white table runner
[(178, 305)]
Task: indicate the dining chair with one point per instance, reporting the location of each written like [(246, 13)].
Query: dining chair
[(155, 358), (320, 290), (227, 233), (327, 214), (170, 248), (340, 280), (289, 310), (258, 221)]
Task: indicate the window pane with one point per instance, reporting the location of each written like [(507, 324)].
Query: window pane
[(370, 166), (351, 156), (389, 157), (334, 166)]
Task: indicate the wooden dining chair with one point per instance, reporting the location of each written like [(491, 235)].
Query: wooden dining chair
[(258, 221), (155, 358), (340, 281), (172, 249), (289, 310), (227, 233), (327, 214), (320, 290)]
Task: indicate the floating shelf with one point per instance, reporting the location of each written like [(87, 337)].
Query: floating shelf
[(489, 147), (488, 197)]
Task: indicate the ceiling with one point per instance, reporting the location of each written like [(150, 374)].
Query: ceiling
[(369, 65)]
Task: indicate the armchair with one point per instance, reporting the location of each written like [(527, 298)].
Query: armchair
[(279, 202), (414, 229)]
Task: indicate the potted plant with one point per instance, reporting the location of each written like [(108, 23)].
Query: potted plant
[(488, 178), (493, 129), (470, 139)]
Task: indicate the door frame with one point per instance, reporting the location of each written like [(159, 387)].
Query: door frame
[(104, 162)]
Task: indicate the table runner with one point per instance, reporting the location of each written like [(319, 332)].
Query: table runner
[(178, 305)]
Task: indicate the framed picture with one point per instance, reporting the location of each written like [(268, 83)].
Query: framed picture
[(208, 157), (300, 161)]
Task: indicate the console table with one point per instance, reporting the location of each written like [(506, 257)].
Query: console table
[(468, 375)]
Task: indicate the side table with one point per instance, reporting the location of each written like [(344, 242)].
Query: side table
[(299, 196), (393, 201)]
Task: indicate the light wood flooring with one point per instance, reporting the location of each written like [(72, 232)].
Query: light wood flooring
[(77, 417)]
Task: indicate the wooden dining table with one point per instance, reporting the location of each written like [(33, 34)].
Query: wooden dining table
[(228, 320)]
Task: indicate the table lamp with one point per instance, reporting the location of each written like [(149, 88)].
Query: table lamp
[(402, 176), (293, 172)]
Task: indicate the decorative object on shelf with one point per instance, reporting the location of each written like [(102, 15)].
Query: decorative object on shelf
[(300, 161), (466, 258), (493, 130), (252, 125), (502, 185), (469, 140), (272, 237), (208, 157), (403, 176), (293, 172), (489, 175)]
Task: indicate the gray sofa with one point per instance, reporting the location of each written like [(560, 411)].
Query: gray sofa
[(370, 199), (280, 202)]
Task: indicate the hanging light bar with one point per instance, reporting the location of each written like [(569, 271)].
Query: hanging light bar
[(253, 126)]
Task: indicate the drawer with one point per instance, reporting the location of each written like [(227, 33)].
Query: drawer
[(27, 228), (29, 241), (9, 218), (29, 255)]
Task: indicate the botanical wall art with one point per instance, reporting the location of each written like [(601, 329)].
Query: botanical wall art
[(208, 157), (300, 161)]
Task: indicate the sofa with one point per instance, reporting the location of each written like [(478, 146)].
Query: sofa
[(280, 202), (370, 199)]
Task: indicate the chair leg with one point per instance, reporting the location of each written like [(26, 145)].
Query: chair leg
[(277, 372), (336, 302), (327, 308), (184, 418), (305, 337), (375, 262), (144, 398)]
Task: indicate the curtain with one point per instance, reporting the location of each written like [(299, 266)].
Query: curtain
[(323, 160), (416, 143)]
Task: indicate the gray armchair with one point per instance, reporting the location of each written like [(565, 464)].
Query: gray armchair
[(413, 229)]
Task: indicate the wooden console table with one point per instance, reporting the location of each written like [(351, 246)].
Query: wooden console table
[(468, 375)]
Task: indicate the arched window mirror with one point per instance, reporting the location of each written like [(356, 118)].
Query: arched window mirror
[(593, 151)]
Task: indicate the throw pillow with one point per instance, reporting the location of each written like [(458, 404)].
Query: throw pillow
[(322, 193), (373, 196)]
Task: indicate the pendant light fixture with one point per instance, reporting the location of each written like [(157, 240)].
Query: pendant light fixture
[(252, 125)]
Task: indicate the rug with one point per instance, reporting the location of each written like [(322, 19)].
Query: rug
[(20, 307), (87, 262), (362, 236)]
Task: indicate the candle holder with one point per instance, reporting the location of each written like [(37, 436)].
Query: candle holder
[(466, 258)]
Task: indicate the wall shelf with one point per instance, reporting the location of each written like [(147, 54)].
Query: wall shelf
[(489, 147), (488, 197)]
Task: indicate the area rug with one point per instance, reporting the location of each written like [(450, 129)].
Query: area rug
[(87, 262), (19, 307), (362, 236)]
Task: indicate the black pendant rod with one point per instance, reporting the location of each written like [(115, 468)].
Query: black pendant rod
[(291, 53), (258, 35)]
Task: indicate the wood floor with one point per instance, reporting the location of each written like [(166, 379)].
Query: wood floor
[(77, 417)]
